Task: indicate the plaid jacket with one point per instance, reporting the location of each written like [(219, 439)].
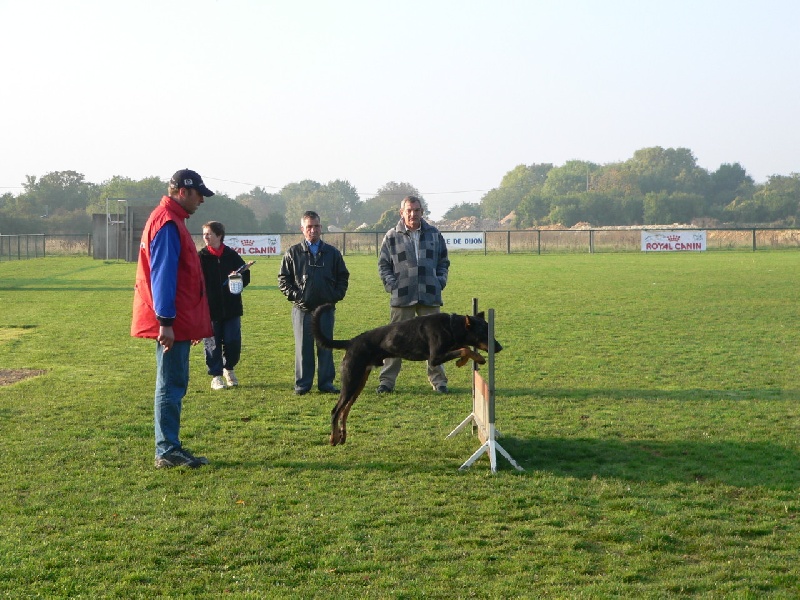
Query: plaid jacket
[(409, 278)]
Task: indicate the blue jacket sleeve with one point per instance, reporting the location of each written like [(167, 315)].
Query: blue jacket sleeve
[(165, 250)]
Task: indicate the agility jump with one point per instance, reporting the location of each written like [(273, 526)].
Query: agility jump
[(482, 416)]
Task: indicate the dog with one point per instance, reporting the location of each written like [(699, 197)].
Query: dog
[(436, 338)]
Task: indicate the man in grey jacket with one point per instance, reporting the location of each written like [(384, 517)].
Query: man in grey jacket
[(413, 266), (312, 273)]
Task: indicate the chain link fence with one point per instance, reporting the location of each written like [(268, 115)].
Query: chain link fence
[(537, 241)]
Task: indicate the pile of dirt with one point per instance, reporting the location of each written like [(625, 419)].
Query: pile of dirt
[(470, 224), (9, 376)]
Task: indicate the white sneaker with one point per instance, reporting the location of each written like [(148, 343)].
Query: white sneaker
[(230, 377), (217, 383)]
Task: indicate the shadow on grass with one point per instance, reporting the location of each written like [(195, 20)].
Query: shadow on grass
[(70, 287), (737, 464), (650, 394)]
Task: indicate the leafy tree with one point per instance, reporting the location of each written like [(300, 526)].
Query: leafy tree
[(388, 219), (465, 209), (298, 200), (388, 198), (58, 199), (534, 210), (273, 223), (269, 209), (57, 191), (220, 207), (147, 190), (668, 170), (729, 183), (515, 185), (631, 210), (335, 202), (574, 177), (566, 210), (662, 208), (600, 209), (617, 179), (780, 197)]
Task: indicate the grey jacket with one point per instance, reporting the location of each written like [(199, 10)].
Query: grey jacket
[(310, 282), (413, 279)]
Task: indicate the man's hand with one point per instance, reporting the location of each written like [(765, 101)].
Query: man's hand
[(166, 337)]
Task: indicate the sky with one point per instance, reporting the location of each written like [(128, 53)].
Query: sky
[(446, 95)]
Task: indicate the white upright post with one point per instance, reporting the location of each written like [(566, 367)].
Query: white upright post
[(490, 444)]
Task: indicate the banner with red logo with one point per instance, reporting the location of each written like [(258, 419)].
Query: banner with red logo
[(673, 241), (255, 245)]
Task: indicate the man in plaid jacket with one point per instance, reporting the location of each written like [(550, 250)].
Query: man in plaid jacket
[(413, 266)]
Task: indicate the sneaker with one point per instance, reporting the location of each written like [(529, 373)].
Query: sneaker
[(230, 377), (383, 389), (217, 383), (180, 458), (442, 389), (329, 389), (300, 392)]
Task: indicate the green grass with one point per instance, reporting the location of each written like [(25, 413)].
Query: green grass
[(652, 400)]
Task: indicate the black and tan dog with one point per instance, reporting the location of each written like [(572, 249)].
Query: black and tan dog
[(435, 338)]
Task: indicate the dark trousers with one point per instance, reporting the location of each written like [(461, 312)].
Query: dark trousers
[(225, 348), (304, 347)]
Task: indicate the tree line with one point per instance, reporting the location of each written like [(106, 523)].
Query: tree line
[(655, 186)]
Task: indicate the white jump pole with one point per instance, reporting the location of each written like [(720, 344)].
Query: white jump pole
[(490, 445)]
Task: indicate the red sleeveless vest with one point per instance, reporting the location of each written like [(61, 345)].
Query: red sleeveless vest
[(192, 321)]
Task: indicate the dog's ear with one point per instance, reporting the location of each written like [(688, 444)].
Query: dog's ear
[(480, 315)]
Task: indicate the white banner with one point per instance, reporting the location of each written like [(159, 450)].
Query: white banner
[(255, 245), (673, 241), (464, 240)]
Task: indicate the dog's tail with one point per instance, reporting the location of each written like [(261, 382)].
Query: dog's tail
[(321, 338)]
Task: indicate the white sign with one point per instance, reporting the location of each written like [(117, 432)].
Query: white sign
[(464, 240), (673, 241), (255, 245)]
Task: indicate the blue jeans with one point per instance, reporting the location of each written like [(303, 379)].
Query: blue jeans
[(224, 349), (304, 345), (172, 381)]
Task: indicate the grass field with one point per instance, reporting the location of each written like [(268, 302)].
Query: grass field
[(653, 401)]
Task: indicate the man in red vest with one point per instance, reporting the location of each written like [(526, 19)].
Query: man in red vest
[(170, 306)]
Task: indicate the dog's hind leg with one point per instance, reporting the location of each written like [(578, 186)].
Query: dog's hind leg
[(354, 377), (348, 405), (335, 416)]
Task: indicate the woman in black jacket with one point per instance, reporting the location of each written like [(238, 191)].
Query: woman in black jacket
[(224, 349)]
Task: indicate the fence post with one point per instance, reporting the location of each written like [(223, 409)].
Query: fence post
[(508, 242), (539, 242), (754, 240)]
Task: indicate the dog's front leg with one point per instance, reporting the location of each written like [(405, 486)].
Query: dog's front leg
[(464, 355), (467, 355)]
